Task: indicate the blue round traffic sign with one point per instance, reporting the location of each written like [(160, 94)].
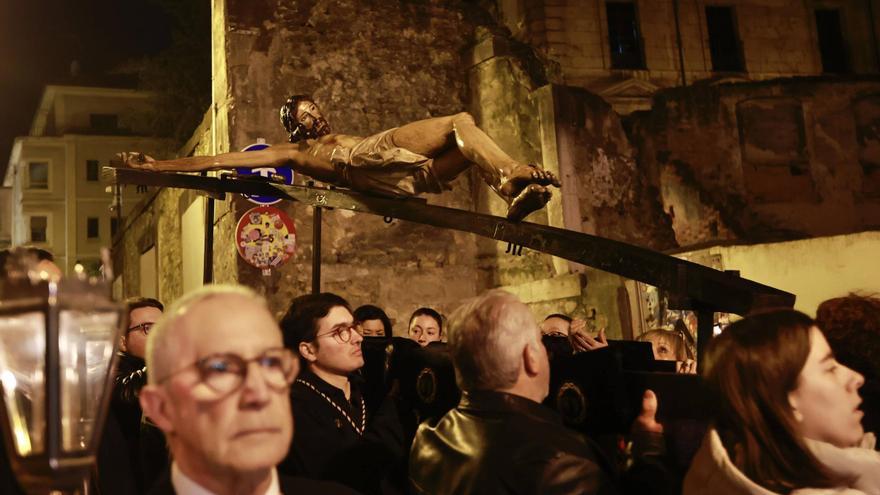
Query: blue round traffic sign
[(285, 172)]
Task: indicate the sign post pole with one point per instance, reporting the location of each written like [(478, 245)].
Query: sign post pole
[(316, 251)]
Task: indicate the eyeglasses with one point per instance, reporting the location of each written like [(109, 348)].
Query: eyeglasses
[(342, 333), (225, 373), (143, 327)]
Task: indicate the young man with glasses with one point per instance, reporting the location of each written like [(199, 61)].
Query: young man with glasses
[(131, 375), (218, 387), (131, 372), (338, 437)]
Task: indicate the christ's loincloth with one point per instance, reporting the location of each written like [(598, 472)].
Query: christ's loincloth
[(377, 165)]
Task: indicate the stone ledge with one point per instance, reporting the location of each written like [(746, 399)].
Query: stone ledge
[(549, 289)]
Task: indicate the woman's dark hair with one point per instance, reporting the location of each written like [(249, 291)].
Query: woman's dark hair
[(134, 303), (750, 370), (300, 323), (427, 312), (560, 316), (370, 312), (852, 326)]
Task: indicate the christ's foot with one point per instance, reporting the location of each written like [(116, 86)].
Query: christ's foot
[(531, 198), (522, 176)]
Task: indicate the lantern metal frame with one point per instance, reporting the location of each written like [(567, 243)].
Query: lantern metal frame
[(54, 468)]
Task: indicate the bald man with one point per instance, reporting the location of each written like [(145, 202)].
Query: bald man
[(218, 388)]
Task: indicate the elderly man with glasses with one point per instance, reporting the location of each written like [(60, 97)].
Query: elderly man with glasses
[(218, 388), (338, 438)]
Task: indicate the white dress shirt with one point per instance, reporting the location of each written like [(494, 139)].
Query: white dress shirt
[(184, 485)]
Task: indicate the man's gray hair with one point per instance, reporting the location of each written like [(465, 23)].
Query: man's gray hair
[(161, 350), (487, 336)]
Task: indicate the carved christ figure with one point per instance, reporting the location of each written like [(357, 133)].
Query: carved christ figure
[(415, 158)]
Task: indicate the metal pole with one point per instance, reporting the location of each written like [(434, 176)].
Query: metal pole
[(316, 251), (678, 41), (705, 320), (208, 262), (874, 44)]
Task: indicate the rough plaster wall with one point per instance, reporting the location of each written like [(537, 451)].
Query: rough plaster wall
[(615, 199), (723, 180), (371, 65), (500, 94)]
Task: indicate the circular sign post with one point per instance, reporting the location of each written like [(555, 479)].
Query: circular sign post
[(285, 172), (265, 237)]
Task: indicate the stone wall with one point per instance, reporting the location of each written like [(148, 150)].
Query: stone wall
[(579, 137), (764, 161), (370, 65), (394, 63)]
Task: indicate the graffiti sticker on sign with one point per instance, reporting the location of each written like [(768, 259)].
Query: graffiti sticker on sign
[(265, 237)]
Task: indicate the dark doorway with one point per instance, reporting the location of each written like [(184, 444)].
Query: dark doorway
[(723, 40), (623, 36), (831, 46)]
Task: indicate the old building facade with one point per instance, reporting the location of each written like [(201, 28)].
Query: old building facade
[(706, 123), (58, 201)]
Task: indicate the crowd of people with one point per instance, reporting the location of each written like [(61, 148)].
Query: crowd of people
[(212, 395)]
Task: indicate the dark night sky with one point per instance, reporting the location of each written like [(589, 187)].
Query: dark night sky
[(40, 38)]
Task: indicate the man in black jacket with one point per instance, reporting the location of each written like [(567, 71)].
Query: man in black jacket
[(337, 438), (500, 439), (131, 375)]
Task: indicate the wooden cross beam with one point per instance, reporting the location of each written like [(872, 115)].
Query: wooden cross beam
[(695, 286)]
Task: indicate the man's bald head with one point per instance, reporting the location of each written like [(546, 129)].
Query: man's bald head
[(162, 345)]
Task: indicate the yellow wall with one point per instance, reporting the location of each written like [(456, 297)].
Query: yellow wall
[(813, 269)]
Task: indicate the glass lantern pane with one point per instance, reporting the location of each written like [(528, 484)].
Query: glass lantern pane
[(22, 357), (85, 348)]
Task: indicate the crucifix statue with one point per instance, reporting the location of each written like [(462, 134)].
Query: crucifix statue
[(419, 157)]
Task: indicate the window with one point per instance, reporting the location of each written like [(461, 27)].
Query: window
[(92, 170), (623, 36), (114, 226), (773, 146), (38, 175), (39, 228), (92, 231), (831, 45), (723, 40), (104, 122)]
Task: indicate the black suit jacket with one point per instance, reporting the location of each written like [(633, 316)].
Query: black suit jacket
[(289, 486)]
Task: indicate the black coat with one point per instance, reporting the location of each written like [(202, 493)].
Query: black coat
[(119, 466), (326, 445), (500, 443)]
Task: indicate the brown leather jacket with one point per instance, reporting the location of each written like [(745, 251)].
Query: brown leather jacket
[(505, 444)]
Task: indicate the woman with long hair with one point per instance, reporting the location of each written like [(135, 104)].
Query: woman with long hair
[(787, 418)]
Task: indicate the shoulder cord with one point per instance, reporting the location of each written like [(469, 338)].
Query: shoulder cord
[(360, 431)]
